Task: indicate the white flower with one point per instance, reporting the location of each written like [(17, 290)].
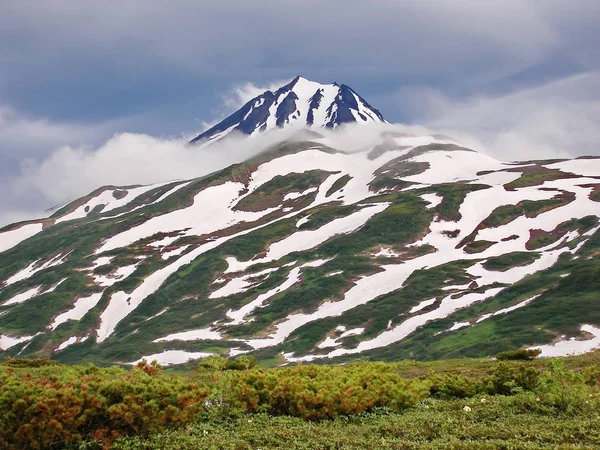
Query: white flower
[(467, 409), (483, 400)]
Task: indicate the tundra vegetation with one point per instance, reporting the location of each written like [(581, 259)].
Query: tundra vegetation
[(514, 401)]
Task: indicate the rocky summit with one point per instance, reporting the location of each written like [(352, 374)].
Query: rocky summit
[(300, 103)]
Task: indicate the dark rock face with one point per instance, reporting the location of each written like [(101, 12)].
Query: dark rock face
[(315, 102), (285, 105), (286, 108)]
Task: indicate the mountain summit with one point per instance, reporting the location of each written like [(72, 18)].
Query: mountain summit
[(300, 103)]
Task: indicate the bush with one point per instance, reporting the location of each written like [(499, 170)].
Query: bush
[(322, 392), (62, 407), (242, 362), (23, 362), (454, 386), (592, 375), (152, 369), (508, 380), (561, 389), (214, 362), (505, 380), (522, 354)]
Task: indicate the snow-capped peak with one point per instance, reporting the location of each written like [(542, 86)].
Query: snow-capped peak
[(300, 103)]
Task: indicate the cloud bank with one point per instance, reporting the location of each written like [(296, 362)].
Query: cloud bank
[(557, 119)]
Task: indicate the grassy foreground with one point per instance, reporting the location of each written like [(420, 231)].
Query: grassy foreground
[(500, 423), (232, 404)]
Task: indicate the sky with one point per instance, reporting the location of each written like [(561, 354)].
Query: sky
[(88, 89)]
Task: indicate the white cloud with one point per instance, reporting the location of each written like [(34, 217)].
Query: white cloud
[(242, 93), (558, 119), (128, 159)]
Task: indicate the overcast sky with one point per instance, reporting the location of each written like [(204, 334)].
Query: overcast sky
[(521, 76)]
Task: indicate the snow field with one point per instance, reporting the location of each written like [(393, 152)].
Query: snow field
[(192, 335), (80, 308), (293, 277), (572, 346), (109, 201), (12, 238), (170, 357), (31, 269)]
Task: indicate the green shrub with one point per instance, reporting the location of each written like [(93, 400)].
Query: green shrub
[(322, 392), (241, 362), (509, 380), (592, 375), (562, 389), (522, 354), (214, 362), (24, 362), (454, 386)]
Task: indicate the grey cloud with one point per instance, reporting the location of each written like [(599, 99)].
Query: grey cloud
[(267, 37)]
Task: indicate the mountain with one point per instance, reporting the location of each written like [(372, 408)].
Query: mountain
[(300, 103), (415, 247)]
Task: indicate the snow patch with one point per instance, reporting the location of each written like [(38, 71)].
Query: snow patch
[(304, 240), (67, 343), (507, 310), (170, 357), (432, 199), (293, 277), (458, 326), (572, 346), (424, 304), (333, 274), (192, 335), (12, 238), (31, 269), (175, 252), (22, 297), (295, 195), (80, 309), (7, 342), (385, 253), (241, 284), (302, 221)]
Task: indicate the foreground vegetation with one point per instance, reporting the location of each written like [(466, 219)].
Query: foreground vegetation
[(519, 402)]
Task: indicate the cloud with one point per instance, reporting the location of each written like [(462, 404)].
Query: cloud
[(125, 159), (558, 119), (131, 158), (240, 94), (237, 96), (24, 136), (445, 41)]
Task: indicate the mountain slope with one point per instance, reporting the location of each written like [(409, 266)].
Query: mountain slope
[(415, 247), (299, 104)]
